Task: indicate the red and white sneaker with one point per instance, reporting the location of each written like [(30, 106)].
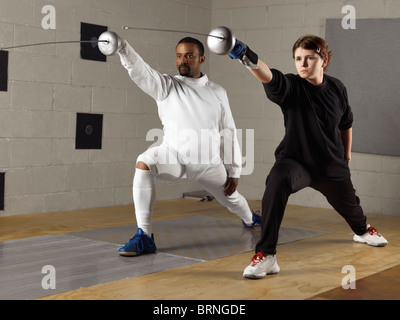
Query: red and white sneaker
[(261, 265), (372, 237)]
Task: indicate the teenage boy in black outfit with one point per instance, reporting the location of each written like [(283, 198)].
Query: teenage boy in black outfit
[(316, 149)]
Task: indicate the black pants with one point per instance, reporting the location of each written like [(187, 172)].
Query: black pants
[(287, 176)]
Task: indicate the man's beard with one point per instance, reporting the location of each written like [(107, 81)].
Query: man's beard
[(186, 71)]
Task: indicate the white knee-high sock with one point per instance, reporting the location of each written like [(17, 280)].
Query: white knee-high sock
[(144, 196)]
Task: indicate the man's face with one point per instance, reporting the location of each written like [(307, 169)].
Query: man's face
[(188, 60)]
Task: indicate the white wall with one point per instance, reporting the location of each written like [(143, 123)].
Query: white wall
[(49, 84), (270, 27)]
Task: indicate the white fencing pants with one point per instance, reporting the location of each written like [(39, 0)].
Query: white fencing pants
[(211, 177)]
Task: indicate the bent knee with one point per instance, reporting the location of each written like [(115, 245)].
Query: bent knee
[(279, 174)]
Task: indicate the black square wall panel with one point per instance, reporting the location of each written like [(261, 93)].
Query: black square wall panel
[(2, 179), (89, 131), (90, 32), (3, 70)]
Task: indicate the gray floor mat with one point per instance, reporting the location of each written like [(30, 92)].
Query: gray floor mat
[(86, 258), (78, 263), (199, 237)]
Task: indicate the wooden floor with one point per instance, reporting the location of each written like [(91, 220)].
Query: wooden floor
[(310, 269)]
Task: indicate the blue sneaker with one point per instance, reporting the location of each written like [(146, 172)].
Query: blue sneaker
[(256, 220), (140, 243)]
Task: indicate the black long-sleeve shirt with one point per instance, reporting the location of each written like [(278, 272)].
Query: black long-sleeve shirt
[(313, 116)]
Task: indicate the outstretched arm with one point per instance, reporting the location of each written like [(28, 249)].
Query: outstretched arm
[(146, 78), (250, 59), (263, 73)]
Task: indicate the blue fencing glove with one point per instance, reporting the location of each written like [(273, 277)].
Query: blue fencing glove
[(243, 53), (238, 50)]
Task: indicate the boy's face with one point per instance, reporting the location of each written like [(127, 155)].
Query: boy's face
[(309, 64)]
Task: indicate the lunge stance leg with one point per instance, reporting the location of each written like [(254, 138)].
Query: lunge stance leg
[(342, 196), (213, 181), (144, 197), (286, 177), (154, 162)]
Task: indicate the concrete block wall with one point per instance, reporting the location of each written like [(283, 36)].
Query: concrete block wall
[(270, 27), (48, 85)]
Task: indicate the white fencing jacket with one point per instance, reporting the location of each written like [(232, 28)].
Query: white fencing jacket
[(195, 114)]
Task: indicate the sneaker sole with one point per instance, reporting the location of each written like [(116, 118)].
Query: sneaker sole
[(370, 244), (253, 276), (128, 254), (134, 254), (275, 270)]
